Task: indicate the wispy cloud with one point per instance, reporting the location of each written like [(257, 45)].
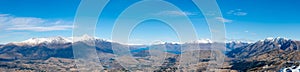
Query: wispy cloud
[(175, 13), (240, 13), (50, 28), (9, 22), (221, 19), (237, 12)]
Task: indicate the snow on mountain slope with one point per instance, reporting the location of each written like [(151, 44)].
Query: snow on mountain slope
[(50, 40), (266, 45), (57, 40)]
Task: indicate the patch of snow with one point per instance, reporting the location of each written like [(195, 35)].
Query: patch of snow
[(269, 38), (279, 45), (292, 69)]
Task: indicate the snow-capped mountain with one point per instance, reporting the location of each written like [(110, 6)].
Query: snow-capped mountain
[(44, 48), (52, 40), (58, 40), (200, 41), (271, 39), (230, 45), (265, 45), (267, 54), (203, 41), (86, 38), (164, 42), (278, 49), (239, 42)]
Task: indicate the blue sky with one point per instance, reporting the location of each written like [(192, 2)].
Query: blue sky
[(246, 20)]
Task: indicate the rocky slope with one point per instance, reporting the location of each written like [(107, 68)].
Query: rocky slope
[(271, 54)]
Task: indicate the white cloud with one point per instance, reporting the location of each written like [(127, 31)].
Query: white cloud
[(50, 28), (9, 22), (175, 13), (240, 13), (25, 21), (221, 19), (237, 12)]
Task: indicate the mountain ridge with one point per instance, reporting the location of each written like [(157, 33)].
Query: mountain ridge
[(61, 39), (242, 56), (265, 45)]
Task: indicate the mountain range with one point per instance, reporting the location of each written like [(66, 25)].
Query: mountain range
[(271, 54), (62, 47)]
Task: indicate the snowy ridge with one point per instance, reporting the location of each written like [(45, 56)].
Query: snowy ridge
[(55, 40), (59, 39), (204, 41), (271, 39), (201, 41), (274, 39), (239, 42)]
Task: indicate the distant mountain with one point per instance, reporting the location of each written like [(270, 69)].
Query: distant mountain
[(231, 45)]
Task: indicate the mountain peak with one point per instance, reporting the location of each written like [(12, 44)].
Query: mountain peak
[(35, 41), (239, 42), (266, 45), (203, 41), (277, 39)]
